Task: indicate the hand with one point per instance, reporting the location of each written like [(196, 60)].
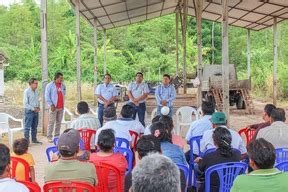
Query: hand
[(136, 103), (164, 102), (197, 160), (53, 108), (248, 127), (37, 110)]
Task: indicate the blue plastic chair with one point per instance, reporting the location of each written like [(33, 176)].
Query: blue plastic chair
[(55, 141), (128, 155), (281, 155), (121, 141), (227, 172), (52, 149), (282, 166), (185, 170), (193, 141)]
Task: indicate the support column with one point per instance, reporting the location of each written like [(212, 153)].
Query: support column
[(248, 53), (95, 59), (275, 62), (184, 34), (213, 44), (44, 63), (177, 42), (225, 58), (105, 53), (78, 52)]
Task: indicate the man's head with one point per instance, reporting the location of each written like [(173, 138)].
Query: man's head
[(162, 175), (139, 77), (218, 118), (267, 112), (107, 78), (261, 154), (127, 111), (33, 83), (58, 77), (208, 108), (166, 79), (278, 114), (82, 107), (68, 144), (20, 146), (106, 140), (109, 114), (4, 161), (148, 144)]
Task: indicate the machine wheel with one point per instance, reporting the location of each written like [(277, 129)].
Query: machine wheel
[(240, 103)]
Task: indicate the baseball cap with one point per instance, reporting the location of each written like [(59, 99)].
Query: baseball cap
[(218, 118), (69, 141)]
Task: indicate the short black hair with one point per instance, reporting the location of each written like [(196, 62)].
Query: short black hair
[(262, 153), (106, 140), (4, 158), (148, 144), (208, 108), (160, 131), (20, 146), (31, 80), (107, 74), (110, 113), (139, 73), (127, 111), (278, 114), (82, 107), (223, 138), (268, 109), (57, 75), (156, 119), (168, 122), (166, 75)]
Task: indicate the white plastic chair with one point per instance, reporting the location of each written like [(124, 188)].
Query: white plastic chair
[(199, 111), (71, 116), (184, 117), (5, 127), (94, 112), (153, 113)]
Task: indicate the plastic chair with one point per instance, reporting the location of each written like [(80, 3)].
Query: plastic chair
[(86, 135), (282, 166), (71, 117), (153, 113), (281, 155), (249, 133), (103, 170), (134, 135), (227, 172), (185, 170), (33, 187), (52, 149), (94, 112), (128, 155), (192, 142), (55, 141), (5, 126), (14, 162), (66, 186), (184, 117), (120, 141)]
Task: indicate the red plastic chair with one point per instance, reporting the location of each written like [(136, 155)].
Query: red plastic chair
[(103, 170), (68, 186), (86, 135), (249, 133), (14, 162), (33, 187), (135, 136)]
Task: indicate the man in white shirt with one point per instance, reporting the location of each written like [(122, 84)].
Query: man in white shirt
[(6, 183), (219, 120)]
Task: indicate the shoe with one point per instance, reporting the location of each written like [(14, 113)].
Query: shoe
[(50, 140), (37, 142)]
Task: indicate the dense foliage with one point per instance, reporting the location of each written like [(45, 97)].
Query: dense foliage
[(147, 46)]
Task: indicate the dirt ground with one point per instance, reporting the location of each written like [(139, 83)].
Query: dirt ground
[(237, 120)]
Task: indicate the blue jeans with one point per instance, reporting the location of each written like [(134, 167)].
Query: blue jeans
[(31, 122), (170, 112), (101, 112), (140, 110)]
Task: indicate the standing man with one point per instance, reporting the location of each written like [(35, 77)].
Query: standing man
[(137, 93), (54, 96), (106, 94), (32, 109), (165, 94)]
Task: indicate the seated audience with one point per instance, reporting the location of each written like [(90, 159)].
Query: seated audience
[(68, 167), (219, 120), (266, 117), (170, 150), (277, 132), (162, 175), (222, 139), (154, 120), (20, 150), (106, 143), (264, 178), (6, 183)]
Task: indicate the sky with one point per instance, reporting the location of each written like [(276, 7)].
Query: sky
[(8, 2)]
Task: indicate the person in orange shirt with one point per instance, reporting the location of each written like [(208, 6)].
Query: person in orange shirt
[(20, 150)]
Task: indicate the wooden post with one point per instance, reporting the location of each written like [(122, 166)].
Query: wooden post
[(184, 34), (249, 53), (213, 44), (275, 63), (44, 63), (177, 42), (105, 53), (225, 59), (95, 59), (78, 52)]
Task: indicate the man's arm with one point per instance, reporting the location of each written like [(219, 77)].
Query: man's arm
[(173, 94), (26, 101), (48, 95), (158, 95)]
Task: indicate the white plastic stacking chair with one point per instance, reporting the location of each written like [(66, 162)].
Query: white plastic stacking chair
[(199, 111), (184, 117), (71, 117), (5, 127), (153, 113), (94, 112)]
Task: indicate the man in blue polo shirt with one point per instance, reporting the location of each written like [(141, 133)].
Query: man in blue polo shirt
[(106, 94)]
